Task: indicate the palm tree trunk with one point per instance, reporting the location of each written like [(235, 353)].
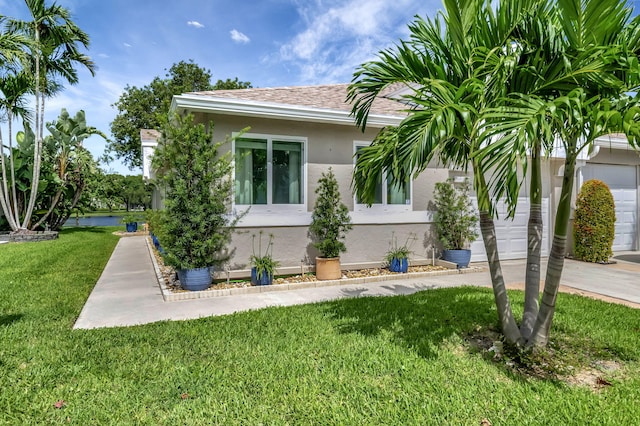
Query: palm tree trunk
[(540, 335), (534, 243), (13, 169), (5, 201), (37, 147), (487, 228)]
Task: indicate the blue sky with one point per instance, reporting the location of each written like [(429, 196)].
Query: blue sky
[(267, 42)]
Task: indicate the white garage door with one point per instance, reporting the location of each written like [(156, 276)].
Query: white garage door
[(512, 234), (622, 182)]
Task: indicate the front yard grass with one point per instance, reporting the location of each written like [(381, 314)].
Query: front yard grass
[(417, 359)]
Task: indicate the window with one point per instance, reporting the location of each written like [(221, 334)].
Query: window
[(269, 170), (387, 192)]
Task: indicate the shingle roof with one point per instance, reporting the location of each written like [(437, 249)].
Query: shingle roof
[(328, 96), (149, 134)]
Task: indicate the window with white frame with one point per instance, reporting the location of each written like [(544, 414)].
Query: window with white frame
[(269, 170), (388, 192)]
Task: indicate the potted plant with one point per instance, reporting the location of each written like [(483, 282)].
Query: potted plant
[(154, 219), (329, 225), (263, 264), (130, 220), (455, 221), (196, 225), (397, 257)]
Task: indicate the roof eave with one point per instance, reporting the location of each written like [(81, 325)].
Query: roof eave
[(277, 111)]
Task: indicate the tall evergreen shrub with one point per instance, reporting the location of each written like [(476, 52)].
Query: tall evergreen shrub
[(594, 222), (197, 227), (330, 219)]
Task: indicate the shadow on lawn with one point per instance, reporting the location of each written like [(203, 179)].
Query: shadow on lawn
[(9, 319), (420, 321)]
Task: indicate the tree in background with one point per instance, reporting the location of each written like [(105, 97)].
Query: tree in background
[(143, 107), (136, 193)]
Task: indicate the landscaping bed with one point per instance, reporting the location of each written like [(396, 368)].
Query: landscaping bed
[(172, 289)]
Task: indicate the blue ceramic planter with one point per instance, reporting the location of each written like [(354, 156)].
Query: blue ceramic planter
[(263, 279), (399, 265), (156, 242), (459, 257), (195, 279), (132, 226)]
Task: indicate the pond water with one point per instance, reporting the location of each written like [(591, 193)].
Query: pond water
[(95, 221)]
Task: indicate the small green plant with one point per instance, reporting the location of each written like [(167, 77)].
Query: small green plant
[(594, 222), (399, 252), (330, 219), (455, 218), (263, 263)]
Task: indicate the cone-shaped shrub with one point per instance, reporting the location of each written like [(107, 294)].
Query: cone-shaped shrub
[(330, 220), (594, 223)]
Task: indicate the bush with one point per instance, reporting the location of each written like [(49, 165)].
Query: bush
[(330, 220), (455, 218), (196, 227), (594, 223)]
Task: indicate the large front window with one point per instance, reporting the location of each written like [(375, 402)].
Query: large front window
[(269, 170), (388, 192)]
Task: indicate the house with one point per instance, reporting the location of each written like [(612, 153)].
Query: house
[(297, 133)]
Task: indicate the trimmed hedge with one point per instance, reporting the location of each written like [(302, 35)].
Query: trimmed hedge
[(594, 223)]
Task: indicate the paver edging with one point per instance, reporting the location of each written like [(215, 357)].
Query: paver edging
[(169, 296)]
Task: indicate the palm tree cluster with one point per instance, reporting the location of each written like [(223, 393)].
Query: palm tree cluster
[(497, 86), (36, 56)]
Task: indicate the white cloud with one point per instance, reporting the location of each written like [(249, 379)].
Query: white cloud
[(239, 37), (126, 44), (195, 24), (339, 35)]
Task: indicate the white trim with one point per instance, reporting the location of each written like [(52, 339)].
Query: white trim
[(270, 208), (384, 207), (274, 110)]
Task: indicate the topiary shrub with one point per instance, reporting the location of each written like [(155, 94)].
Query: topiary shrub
[(594, 223)]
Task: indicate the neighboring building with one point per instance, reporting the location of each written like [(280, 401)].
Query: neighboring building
[(296, 133)]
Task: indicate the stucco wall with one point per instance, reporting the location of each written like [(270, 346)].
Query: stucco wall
[(329, 145)]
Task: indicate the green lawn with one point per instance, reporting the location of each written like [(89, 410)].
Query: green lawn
[(398, 360)]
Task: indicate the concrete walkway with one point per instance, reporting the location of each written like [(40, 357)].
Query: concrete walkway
[(127, 292)]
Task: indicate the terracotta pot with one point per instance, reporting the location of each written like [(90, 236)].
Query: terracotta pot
[(328, 268)]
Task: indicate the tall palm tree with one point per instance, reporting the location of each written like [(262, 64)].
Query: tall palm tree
[(462, 71), (55, 53), (12, 86), (446, 93)]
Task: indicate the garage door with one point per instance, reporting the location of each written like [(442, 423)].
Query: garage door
[(512, 234), (622, 182)]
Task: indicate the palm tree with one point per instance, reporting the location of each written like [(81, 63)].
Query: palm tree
[(446, 94), (462, 72), (55, 52), (13, 86)]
